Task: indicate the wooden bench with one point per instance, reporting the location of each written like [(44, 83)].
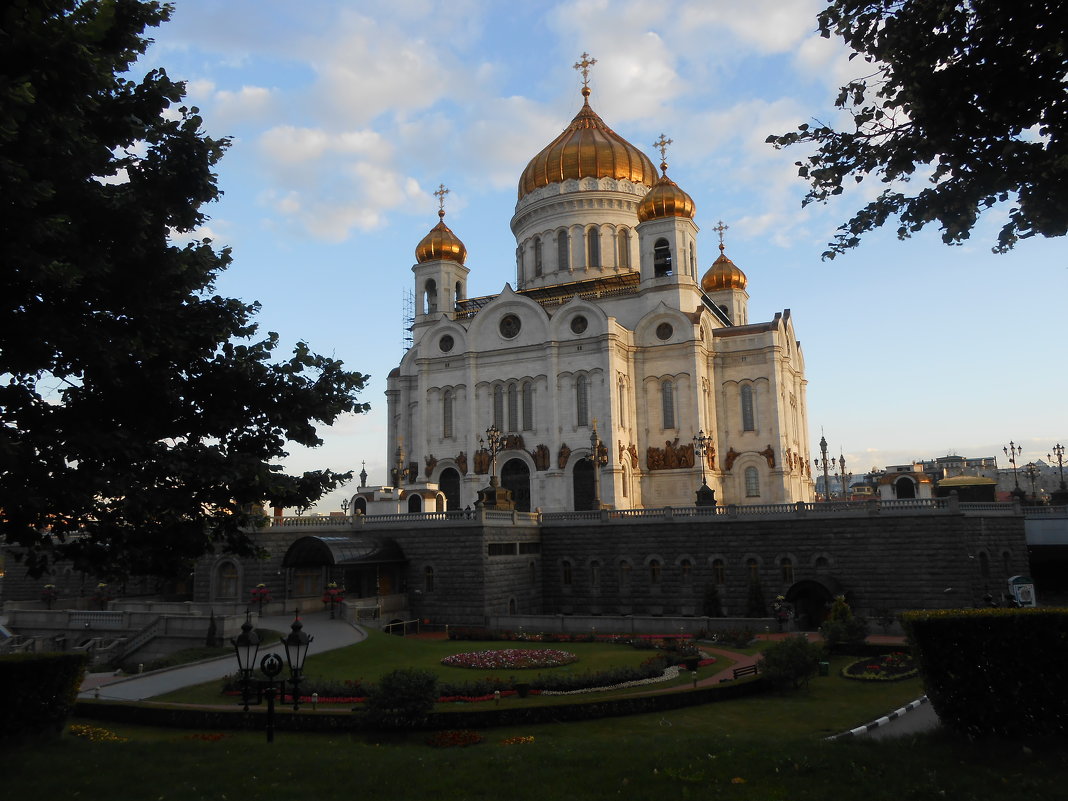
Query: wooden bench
[(748, 670)]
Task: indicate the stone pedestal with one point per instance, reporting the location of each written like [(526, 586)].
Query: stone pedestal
[(495, 497)]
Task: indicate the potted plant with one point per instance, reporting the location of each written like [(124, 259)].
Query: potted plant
[(261, 595), (333, 596)]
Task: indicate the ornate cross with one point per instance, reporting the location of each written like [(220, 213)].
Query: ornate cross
[(661, 144), (719, 229), (584, 67), (442, 191)]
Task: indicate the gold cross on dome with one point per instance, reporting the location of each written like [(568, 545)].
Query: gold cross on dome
[(661, 144), (719, 229), (584, 67), (440, 194)]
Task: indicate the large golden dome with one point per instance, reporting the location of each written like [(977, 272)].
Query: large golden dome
[(441, 243), (665, 199), (723, 274), (587, 148)]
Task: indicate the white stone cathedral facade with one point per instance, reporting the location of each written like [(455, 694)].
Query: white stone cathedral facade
[(611, 330)]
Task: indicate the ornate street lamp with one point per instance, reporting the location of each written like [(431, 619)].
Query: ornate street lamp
[(1031, 472), (1058, 451), (247, 646), (843, 477), (344, 506), (1012, 451), (494, 443), (824, 464), (599, 457), (702, 445), (494, 496)]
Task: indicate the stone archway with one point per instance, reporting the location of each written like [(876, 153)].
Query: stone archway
[(905, 488), (515, 477), (415, 504), (449, 483), (582, 484), (811, 598)]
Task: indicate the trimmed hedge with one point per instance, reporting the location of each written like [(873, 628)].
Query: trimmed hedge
[(1001, 672), (37, 693), (462, 716)]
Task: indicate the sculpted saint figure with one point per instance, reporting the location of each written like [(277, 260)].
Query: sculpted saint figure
[(461, 463), (563, 456)]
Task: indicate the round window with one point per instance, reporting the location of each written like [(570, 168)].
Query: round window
[(578, 324), (446, 343), (664, 331), (510, 326)]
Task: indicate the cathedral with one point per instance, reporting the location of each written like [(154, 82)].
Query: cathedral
[(615, 373)]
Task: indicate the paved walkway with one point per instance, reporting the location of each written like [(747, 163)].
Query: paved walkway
[(326, 635)]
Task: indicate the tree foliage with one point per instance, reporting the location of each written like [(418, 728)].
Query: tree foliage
[(141, 415), (967, 97), (402, 698), (791, 662)]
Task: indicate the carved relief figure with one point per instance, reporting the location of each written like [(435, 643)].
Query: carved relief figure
[(541, 457), (769, 454), (710, 456), (482, 461), (563, 456), (431, 463), (728, 461), (412, 473), (461, 463), (622, 450), (632, 449), (654, 458), (513, 442)]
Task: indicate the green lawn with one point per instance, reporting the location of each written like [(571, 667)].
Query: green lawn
[(766, 748)]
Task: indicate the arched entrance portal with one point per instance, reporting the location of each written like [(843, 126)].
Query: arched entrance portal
[(811, 600), (582, 483), (449, 483), (415, 504), (905, 488), (515, 476)]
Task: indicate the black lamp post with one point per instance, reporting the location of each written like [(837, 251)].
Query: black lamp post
[(247, 646), (344, 506), (493, 496), (702, 444), (599, 457), (824, 464), (844, 477), (1060, 497), (1012, 452), (1032, 475), (494, 443)]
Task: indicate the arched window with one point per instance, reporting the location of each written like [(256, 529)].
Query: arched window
[(459, 290), (661, 258), (621, 390), (787, 568), (686, 572), (595, 574), (655, 571), (593, 248), (822, 564), (667, 403), (565, 570), (227, 581), (498, 407), (752, 483), (428, 579), (446, 414), (623, 248), (582, 401), (752, 567), (748, 413), (719, 571), (528, 405), (431, 296), (537, 256), (563, 250), (624, 575), (693, 262), (513, 407)]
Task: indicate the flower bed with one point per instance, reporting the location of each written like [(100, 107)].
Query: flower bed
[(511, 659), (888, 667)]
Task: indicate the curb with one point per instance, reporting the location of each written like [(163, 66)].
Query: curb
[(881, 721)]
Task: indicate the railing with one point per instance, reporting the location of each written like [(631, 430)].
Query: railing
[(113, 621), (143, 637)]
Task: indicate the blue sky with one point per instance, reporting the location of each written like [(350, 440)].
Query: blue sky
[(346, 116)]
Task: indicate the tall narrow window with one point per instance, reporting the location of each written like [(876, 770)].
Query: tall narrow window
[(563, 250), (787, 568), (693, 262), (753, 568), (748, 414), (537, 256), (595, 574), (624, 575), (431, 293), (528, 406), (752, 483), (623, 246), (446, 414), (621, 388), (513, 407), (459, 291), (661, 258), (654, 571), (428, 579), (593, 248), (582, 401), (667, 403), (686, 572), (719, 571), (498, 407)]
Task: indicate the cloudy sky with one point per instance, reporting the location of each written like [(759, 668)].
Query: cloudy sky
[(346, 116)]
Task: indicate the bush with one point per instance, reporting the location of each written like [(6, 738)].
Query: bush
[(995, 672), (37, 693), (402, 699), (842, 631), (790, 663)]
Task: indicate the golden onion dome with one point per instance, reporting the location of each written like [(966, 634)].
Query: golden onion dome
[(441, 243), (665, 199), (723, 274), (587, 148)]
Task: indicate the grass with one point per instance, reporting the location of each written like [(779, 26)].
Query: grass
[(381, 653), (767, 748)]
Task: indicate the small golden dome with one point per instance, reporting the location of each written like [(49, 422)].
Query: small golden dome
[(441, 243), (587, 148), (665, 199), (723, 274)]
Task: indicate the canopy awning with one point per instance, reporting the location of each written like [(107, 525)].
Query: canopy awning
[(352, 549)]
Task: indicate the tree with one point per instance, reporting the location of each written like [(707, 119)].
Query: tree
[(969, 96), (791, 662), (141, 416), (403, 698)]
